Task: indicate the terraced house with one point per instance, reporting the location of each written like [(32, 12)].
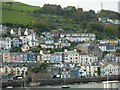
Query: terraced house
[(110, 69), (6, 56), (15, 69), (55, 58)]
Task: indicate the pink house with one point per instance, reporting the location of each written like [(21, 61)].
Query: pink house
[(14, 57), (117, 69)]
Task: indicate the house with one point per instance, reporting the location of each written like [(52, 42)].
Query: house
[(15, 69), (91, 70), (29, 32), (5, 43), (64, 42), (56, 72), (8, 43), (3, 29), (110, 58), (31, 40), (110, 69), (77, 73), (41, 40), (46, 57), (39, 58), (65, 74), (25, 47), (83, 47), (15, 32), (80, 38), (118, 58), (16, 42), (71, 56), (46, 34), (104, 20), (93, 58), (55, 33), (2, 42), (15, 57), (48, 46), (23, 57), (24, 40), (32, 57), (6, 56), (84, 58), (49, 40), (55, 58), (20, 70)]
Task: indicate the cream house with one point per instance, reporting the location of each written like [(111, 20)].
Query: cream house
[(25, 48), (91, 70)]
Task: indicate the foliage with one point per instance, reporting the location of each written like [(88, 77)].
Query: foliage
[(99, 71), (52, 50), (78, 50), (95, 26), (108, 14), (59, 49), (38, 69), (15, 49)]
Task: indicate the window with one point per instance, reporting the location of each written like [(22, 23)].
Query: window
[(6, 70), (18, 72)]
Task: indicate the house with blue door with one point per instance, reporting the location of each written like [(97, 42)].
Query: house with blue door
[(55, 58), (16, 42)]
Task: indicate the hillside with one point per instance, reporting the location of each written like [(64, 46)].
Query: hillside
[(18, 13), (51, 17)]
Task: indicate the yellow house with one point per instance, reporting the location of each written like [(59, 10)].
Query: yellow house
[(36, 42), (6, 56), (6, 69), (95, 58), (20, 71), (16, 70), (25, 48)]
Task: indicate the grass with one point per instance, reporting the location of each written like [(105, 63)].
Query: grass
[(19, 6), (16, 17), (18, 13)]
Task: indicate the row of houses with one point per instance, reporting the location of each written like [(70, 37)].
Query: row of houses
[(58, 57), (66, 70)]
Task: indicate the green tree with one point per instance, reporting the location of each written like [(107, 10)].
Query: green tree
[(52, 50), (95, 26), (109, 31)]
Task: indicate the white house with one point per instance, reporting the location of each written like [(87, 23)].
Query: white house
[(112, 69), (31, 40), (71, 56), (5, 43), (24, 40), (8, 43), (49, 40), (29, 32), (91, 70), (15, 32), (84, 58), (109, 47)]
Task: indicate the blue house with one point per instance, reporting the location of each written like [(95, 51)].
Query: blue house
[(75, 72), (16, 42), (55, 58), (23, 57)]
